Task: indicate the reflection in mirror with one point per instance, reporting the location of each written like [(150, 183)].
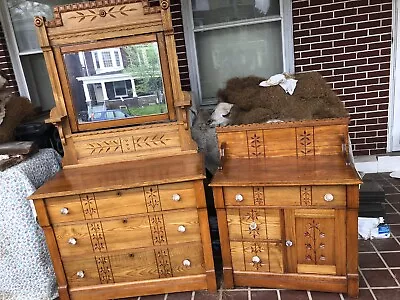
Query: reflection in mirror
[(116, 83)]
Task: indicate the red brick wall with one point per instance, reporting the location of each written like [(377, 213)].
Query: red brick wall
[(349, 42), (5, 63)]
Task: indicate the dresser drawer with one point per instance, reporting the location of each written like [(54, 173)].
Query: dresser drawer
[(262, 196), (128, 233), (257, 256), (328, 196), (254, 224), (135, 266), (121, 202)]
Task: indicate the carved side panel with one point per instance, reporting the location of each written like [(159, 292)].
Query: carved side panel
[(305, 196), (305, 141), (157, 228), (152, 198), (315, 241), (163, 263), (89, 206), (96, 233), (104, 269), (255, 143), (258, 195)]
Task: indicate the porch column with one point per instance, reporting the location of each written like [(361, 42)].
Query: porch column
[(133, 88), (103, 87)]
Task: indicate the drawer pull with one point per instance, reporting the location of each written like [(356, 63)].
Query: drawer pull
[(176, 197), (125, 221), (256, 259), (181, 228), (64, 211), (328, 197), (186, 263), (289, 243), (72, 241), (80, 274), (239, 197), (253, 226)]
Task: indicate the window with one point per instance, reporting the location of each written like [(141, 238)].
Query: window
[(120, 88), (107, 60), (117, 60), (235, 38), (16, 18), (96, 59)]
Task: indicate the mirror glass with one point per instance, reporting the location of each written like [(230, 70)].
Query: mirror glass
[(116, 83)]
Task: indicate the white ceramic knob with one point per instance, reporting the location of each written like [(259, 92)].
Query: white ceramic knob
[(176, 197), (80, 274), (256, 259), (64, 211), (181, 228), (186, 263), (328, 197), (72, 241), (239, 197), (289, 243), (253, 226)]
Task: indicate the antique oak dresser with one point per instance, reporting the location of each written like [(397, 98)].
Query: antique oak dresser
[(287, 204), (127, 214)]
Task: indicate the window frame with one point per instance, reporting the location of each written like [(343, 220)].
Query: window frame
[(189, 32)]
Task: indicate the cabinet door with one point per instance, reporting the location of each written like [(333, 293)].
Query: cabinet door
[(316, 241)]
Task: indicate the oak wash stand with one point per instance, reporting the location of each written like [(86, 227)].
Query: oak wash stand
[(127, 214), (287, 206)]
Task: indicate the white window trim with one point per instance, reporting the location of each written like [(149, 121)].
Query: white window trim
[(393, 138), (189, 31), (13, 50), (126, 89)]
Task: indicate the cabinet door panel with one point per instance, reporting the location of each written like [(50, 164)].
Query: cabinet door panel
[(318, 240), (254, 224), (257, 256)]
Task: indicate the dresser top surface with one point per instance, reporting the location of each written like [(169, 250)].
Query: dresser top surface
[(123, 175), (286, 171)]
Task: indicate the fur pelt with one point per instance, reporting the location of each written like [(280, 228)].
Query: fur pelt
[(312, 99)]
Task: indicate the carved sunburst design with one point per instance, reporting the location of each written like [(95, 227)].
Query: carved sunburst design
[(112, 12), (97, 237), (158, 230), (163, 263), (104, 269), (252, 216), (152, 197), (258, 195), (305, 195)]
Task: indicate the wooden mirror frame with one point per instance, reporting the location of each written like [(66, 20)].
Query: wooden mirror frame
[(102, 22)]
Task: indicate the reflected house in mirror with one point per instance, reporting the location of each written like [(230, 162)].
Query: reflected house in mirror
[(115, 83)]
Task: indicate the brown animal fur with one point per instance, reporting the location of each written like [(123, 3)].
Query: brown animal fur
[(312, 99)]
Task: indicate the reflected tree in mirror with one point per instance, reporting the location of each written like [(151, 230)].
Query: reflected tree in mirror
[(116, 83)]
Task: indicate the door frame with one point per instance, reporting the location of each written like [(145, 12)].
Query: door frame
[(393, 141)]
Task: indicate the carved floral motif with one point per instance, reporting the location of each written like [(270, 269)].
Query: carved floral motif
[(258, 195), (112, 12), (305, 195), (104, 269), (97, 237), (150, 141), (255, 144), (89, 206), (313, 236), (152, 197), (252, 216), (158, 230), (256, 249), (305, 142), (104, 147), (163, 263)]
